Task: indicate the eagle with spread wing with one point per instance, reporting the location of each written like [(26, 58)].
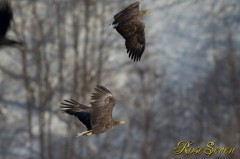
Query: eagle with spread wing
[(128, 25), (6, 16), (98, 117)]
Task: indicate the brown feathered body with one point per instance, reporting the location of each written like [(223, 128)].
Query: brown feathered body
[(128, 24), (98, 117)]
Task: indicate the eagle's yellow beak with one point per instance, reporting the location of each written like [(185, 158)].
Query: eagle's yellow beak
[(122, 122), (148, 11)]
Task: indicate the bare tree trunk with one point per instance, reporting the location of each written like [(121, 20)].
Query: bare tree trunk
[(146, 121), (29, 91), (75, 25), (234, 79), (70, 144), (101, 46), (29, 99), (38, 30), (48, 94), (41, 106), (61, 34), (87, 4)]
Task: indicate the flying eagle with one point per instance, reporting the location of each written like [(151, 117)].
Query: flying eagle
[(98, 117), (128, 24), (6, 16)]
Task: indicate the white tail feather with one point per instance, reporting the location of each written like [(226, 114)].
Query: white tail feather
[(80, 134)]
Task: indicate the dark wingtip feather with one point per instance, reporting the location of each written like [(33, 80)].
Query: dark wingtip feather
[(136, 3), (135, 54), (102, 89)]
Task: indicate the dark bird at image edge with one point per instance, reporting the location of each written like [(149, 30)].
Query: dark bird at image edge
[(6, 17)]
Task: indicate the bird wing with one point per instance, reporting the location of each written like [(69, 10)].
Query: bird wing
[(74, 105), (127, 13), (99, 97), (102, 105), (82, 112), (5, 17), (133, 33)]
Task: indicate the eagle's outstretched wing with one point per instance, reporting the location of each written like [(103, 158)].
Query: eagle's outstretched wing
[(74, 105), (127, 13), (82, 112), (128, 24), (102, 105), (133, 33)]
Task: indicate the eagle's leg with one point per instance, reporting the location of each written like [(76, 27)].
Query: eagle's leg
[(85, 133)]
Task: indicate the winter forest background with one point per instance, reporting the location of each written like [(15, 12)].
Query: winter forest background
[(186, 86)]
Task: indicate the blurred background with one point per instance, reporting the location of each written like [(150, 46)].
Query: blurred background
[(186, 86)]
